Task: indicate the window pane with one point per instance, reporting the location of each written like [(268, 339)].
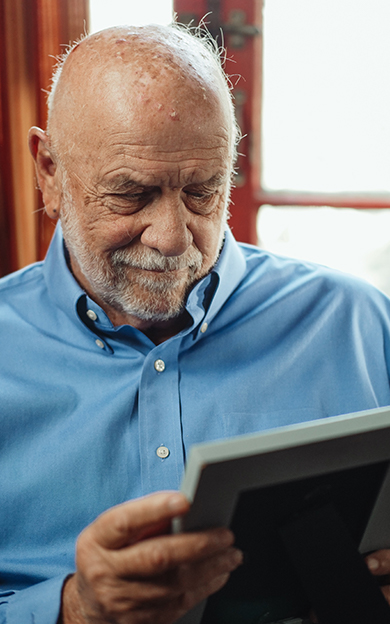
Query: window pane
[(326, 121), (104, 14), (355, 241)]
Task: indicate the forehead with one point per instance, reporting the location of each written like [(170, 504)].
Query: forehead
[(172, 153), (151, 168), (154, 126)]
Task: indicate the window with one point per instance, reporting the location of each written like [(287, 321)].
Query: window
[(104, 14), (326, 130)]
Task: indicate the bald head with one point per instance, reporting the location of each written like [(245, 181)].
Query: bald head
[(121, 73)]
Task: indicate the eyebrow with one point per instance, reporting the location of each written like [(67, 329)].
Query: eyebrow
[(122, 182), (215, 180)]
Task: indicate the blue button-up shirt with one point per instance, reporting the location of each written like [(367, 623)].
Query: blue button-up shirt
[(85, 406)]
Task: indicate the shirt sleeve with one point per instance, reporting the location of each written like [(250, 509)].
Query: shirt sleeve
[(38, 604)]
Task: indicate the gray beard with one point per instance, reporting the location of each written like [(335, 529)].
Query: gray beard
[(121, 279)]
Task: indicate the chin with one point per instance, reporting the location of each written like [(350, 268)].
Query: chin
[(155, 306)]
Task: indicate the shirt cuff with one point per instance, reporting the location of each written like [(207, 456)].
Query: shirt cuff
[(38, 604)]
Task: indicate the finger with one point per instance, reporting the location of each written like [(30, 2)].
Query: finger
[(184, 578), (386, 592), (203, 572), (124, 524), (163, 612), (169, 590), (197, 594), (155, 556), (379, 562), (185, 602), (184, 586)]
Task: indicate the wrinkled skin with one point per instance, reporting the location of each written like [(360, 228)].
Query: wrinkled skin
[(127, 574)]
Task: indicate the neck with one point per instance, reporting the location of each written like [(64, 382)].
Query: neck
[(159, 332), (156, 331)]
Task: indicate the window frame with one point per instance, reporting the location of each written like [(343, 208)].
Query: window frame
[(248, 195)]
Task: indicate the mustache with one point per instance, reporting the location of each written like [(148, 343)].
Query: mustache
[(153, 260)]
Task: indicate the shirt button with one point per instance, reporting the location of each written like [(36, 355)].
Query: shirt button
[(162, 452), (99, 343), (159, 365), (204, 328), (91, 315)]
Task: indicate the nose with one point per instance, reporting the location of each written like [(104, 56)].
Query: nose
[(167, 229)]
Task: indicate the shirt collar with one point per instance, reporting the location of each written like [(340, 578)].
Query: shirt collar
[(211, 293), (62, 287), (204, 301)]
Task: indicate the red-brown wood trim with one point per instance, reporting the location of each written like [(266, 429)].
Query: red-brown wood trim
[(244, 64), (337, 200)]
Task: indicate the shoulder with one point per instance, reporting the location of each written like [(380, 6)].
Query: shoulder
[(22, 282), (261, 263), (287, 279)]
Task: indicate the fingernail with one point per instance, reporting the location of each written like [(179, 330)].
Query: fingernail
[(177, 503), (237, 557), (224, 537), (373, 564)]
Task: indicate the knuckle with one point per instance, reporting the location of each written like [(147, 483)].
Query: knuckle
[(96, 575), (153, 592), (92, 563), (203, 543), (108, 601), (184, 577), (160, 558), (119, 523), (85, 550), (187, 601)]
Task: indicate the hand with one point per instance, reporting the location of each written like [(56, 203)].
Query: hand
[(379, 565), (130, 571)]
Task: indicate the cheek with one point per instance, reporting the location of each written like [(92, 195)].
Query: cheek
[(208, 239), (109, 232)]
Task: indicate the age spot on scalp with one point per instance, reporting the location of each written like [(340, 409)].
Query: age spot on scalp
[(174, 115), (122, 51)]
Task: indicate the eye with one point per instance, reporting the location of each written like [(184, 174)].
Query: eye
[(197, 194), (136, 196), (127, 203), (200, 201)]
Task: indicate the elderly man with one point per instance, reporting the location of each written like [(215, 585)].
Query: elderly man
[(148, 329)]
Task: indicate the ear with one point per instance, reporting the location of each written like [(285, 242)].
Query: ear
[(46, 170)]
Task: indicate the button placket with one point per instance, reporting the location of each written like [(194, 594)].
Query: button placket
[(161, 446)]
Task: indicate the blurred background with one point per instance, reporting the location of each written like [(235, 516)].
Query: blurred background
[(312, 95)]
